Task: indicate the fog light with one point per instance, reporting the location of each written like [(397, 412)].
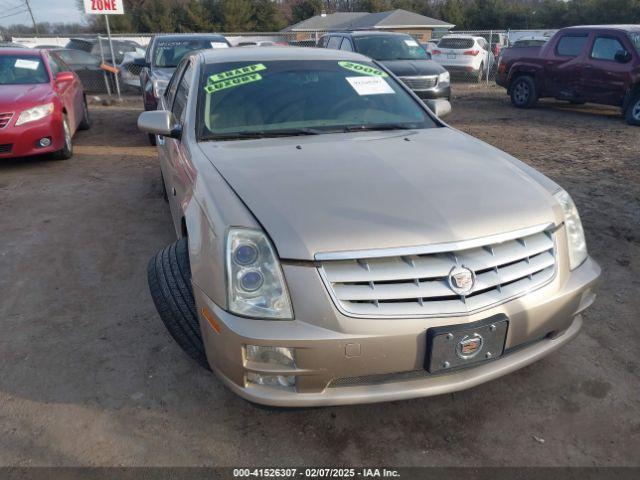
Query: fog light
[(286, 381), (274, 355), (44, 142)]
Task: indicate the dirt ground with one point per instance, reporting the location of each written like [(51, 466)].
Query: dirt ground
[(89, 376)]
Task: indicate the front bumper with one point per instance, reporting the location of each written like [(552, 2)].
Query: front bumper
[(23, 140), (372, 360), (435, 93)]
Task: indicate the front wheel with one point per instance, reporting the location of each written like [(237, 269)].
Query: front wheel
[(523, 92), (633, 111), (85, 123), (169, 276), (67, 151)]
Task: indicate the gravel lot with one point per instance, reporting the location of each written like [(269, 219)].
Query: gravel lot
[(89, 376)]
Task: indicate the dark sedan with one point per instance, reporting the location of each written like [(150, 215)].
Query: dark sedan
[(401, 54)]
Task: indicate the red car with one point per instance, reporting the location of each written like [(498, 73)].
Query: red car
[(42, 104)]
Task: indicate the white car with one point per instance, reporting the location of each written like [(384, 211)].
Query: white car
[(464, 54)]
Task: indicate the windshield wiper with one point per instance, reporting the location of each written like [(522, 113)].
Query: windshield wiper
[(374, 127), (293, 132)]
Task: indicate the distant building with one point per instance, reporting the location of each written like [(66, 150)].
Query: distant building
[(419, 26)]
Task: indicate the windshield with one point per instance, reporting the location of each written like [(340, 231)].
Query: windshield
[(283, 98), (168, 53), (635, 39), (22, 70), (390, 47)]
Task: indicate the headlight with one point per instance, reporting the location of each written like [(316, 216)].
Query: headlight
[(35, 113), (254, 277), (573, 226), (444, 78), (159, 87)]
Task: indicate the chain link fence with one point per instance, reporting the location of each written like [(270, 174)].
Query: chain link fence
[(470, 56)]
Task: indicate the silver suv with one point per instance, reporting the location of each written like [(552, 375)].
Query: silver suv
[(338, 243)]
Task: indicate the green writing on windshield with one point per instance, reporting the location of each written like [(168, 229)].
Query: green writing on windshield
[(232, 82), (364, 69), (236, 72)]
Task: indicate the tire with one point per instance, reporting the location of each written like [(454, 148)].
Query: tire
[(480, 72), (85, 124), (152, 139), (169, 276), (523, 92), (632, 114), (67, 151)]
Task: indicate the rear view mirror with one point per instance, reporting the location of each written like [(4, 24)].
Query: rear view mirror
[(65, 77), (159, 122), (140, 62), (622, 56), (440, 107)]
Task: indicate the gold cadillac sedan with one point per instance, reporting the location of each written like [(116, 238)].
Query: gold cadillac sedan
[(338, 243)]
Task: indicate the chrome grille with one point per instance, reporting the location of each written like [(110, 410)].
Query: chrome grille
[(417, 284), (420, 83), (5, 118)]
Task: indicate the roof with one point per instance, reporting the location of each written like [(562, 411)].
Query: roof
[(362, 20), (626, 28), (365, 33), (266, 54), (32, 52), (187, 36)]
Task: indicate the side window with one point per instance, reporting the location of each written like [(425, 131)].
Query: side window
[(334, 42), (170, 92), (346, 45), (322, 43), (147, 53), (571, 45), (55, 66), (605, 48), (182, 94)]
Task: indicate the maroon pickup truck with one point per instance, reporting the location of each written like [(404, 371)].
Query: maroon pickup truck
[(599, 64)]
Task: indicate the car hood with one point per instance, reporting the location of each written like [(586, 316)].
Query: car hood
[(372, 190), (14, 97), (162, 73), (407, 68)]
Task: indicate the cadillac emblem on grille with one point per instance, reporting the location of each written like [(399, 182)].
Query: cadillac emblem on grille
[(469, 346), (462, 280)]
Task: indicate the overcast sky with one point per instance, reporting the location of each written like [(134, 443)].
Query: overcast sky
[(43, 10)]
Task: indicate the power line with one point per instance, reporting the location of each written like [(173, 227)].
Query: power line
[(13, 14)]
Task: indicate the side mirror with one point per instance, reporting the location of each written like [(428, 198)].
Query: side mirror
[(140, 62), (159, 122), (65, 77), (440, 108), (622, 56)]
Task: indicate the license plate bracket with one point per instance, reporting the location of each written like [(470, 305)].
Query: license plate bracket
[(458, 346)]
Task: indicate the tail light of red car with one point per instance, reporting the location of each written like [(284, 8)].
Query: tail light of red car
[(473, 53)]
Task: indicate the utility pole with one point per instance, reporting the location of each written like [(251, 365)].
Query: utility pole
[(35, 25)]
